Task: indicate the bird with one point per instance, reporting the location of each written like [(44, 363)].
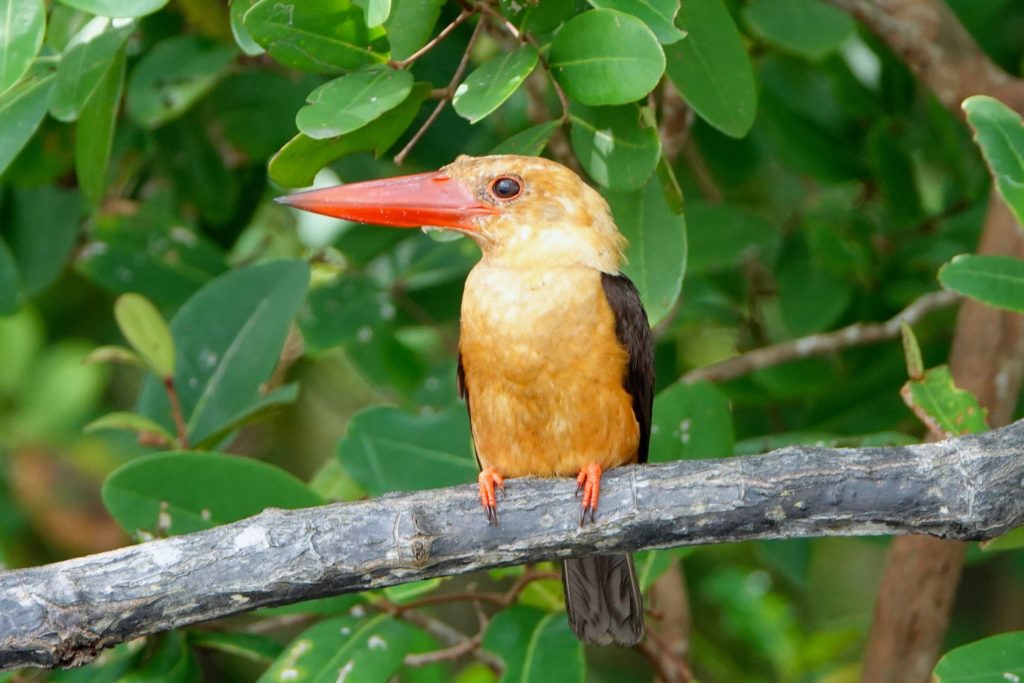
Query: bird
[(555, 361)]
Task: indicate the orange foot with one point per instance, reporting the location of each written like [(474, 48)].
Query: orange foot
[(488, 480), (589, 482)]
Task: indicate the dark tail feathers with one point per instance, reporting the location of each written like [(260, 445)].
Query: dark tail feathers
[(602, 599)]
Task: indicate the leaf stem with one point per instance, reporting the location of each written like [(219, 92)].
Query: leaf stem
[(179, 419)]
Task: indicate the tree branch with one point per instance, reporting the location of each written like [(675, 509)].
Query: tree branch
[(857, 334), (927, 35), (64, 614)]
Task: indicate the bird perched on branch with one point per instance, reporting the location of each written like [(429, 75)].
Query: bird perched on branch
[(555, 359)]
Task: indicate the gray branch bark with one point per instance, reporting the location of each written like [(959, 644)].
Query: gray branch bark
[(64, 614)]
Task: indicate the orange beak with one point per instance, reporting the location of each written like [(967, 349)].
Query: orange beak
[(432, 199)]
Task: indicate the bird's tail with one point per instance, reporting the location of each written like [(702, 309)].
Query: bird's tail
[(602, 599)]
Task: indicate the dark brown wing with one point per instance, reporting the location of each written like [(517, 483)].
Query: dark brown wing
[(634, 333), (460, 385)]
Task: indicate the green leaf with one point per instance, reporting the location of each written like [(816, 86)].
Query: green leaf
[(493, 82), (999, 132), (256, 109), (691, 421), (197, 168), (173, 76), (332, 606), (387, 449), (253, 646), (711, 67), (62, 25), (809, 28), (911, 352), (353, 308), (811, 297), (405, 592), (131, 422), (893, 167), (994, 280), (723, 236), (656, 256), (255, 411), (236, 14), (150, 252), (941, 406), (22, 109), (376, 11), (651, 564), (322, 36), (147, 332), (94, 132), (659, 15), (350, 102), (297, 163), (117, 8), (22, 26), (61, 395), (86, 60), (228, 337), (10, 283), (1011, 540), (43, 233), (114, 354), (172, 662), (998, 659), (533, 643), (615, 145), (350, 649), (411, 24), (545, 594), (604, 56), (529, 142), (179, 492)]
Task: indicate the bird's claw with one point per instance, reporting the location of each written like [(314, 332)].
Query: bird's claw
[(489, 480), (589, 482)]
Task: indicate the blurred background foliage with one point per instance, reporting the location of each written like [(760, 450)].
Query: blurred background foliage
[(313, 360)]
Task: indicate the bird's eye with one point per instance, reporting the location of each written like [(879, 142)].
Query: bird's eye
[(506, 188)]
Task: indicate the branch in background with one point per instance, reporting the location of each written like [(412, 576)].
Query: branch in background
[(857, 334), (927, 35), (449, 92), (64, 614), (465, 14), (670, 630), (921, 576), (676, 119), (453, 637), (528, 39)]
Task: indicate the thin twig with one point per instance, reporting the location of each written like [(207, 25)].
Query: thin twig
[(459, 71), (526, 38), (402, 63), (452, 637), (176, 415), (448, 654), (857, 334)]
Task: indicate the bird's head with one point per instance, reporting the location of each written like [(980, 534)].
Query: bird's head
[(520, 210)]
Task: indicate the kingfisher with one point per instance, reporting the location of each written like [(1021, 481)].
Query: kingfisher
[(555, 358)]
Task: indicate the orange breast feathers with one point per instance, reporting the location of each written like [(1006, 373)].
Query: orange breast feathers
[(544, 371)]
